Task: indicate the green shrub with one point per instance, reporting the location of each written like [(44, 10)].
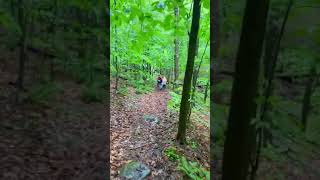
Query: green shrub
[(93, 93), (174, 102), (123, 90), (43, 93), (172, 154), (193, 170)]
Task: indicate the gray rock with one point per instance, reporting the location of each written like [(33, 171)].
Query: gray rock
[(150, 118), (134, 171)]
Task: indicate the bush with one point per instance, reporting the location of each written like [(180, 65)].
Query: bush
[(93, 93), (123, 91), (193, 170), (43, 93), (172, 154), (174, 102)]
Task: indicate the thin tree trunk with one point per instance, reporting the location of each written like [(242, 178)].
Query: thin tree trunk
[(185, 104), (215, 44), (116, 57), (194, 81), (176, 50), (22, 53), (306, 105), (264, 134), (52, 30), (13, 8), (206, 92), (240, 137)]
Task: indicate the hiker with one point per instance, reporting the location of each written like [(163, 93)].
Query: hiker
[(164, 82), (159, 80)]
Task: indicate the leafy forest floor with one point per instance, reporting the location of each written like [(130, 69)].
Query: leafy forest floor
[(133, 138), (59, 138), (294, 154)]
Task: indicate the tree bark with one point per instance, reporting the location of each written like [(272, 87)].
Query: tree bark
[(214, 54), (185, 104), (306, 104), (22, 53), (176, 50), (194, 81), (264, 135), (52, 30), (240, 136), (270, 63)]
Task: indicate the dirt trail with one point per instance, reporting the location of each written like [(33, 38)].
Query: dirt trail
[(133, 138)]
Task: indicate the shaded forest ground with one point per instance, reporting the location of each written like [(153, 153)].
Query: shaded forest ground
[(62, 138), (295, 155), (133, 138)]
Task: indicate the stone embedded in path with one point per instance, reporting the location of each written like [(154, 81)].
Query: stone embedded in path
[(134, 171), (151, 118)]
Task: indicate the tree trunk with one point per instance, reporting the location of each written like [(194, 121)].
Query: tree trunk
[(176, 50), (240, 136), (194, 81), (270, 63), (185, 104), (107, 24), (13, 8), (306, 104), (206, 93), (53, 31), (215, 44), (264, 135), (116, 57), (22, 53)]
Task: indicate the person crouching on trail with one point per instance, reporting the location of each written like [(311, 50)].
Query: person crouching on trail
[(159, 80), (163, 83)]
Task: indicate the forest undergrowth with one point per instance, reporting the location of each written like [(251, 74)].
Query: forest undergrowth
[(53, 133), (293, 154), (135, 139)]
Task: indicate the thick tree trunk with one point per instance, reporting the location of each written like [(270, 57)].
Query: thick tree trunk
[(185, 104), (240, 137)]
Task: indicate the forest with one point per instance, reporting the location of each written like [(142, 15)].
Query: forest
[(160, 89), (53, 89), (149, 137), (265, 111)]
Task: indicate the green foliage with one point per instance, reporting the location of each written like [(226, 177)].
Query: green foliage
[(8, 22), (171, 153), (142, 87), (223, 87), (174, 102), (220, 115), (272, 153), (193, 170), (123, 91), (43, 93), (142, 39), (193, 144), (93, 93)]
